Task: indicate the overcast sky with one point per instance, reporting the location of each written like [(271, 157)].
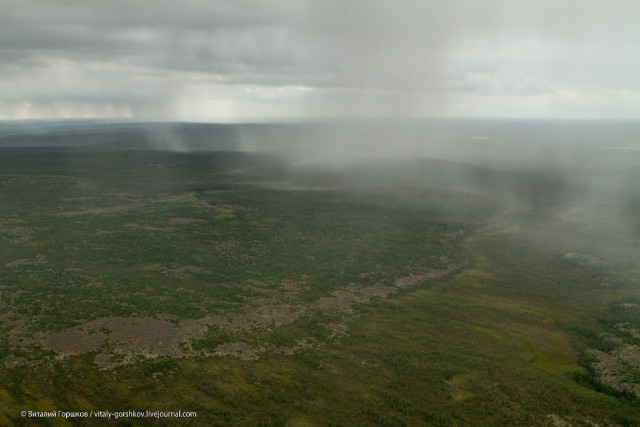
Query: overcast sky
[(248, 59)]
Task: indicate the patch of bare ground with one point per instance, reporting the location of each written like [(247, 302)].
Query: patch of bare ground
[(73, 341), (85, 184), (276, 306), (18, 234), (264, 316), (340, 300), (239, 349), (580, 258), (39, 260), (105, 360), (630, 305), (299, 345), (142, 334), (619, 368), (18, 337), (11, 221), (147, 337), (164, 316), (12, 361), (337, 329), (556, 420), (345, 299), (119, 340), (410, 281), (627, 328)]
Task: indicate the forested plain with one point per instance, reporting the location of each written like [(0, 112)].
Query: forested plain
[(258, 288)]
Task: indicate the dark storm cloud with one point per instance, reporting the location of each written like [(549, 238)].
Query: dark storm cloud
[(198, 36), (288, 57)]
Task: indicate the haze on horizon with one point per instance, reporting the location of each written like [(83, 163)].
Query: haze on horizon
[(287, 59)]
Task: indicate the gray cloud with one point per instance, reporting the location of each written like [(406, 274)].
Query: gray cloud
[(207, 59)]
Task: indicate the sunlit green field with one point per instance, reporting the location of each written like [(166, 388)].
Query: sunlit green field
[(230, 285)]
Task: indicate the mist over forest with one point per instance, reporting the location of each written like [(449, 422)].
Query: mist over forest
[(355, 212), (588, 169)]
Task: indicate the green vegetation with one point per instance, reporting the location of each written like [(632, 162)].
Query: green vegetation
[(282, 305)]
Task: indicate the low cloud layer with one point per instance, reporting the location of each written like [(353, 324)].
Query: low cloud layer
[(234, 60)]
